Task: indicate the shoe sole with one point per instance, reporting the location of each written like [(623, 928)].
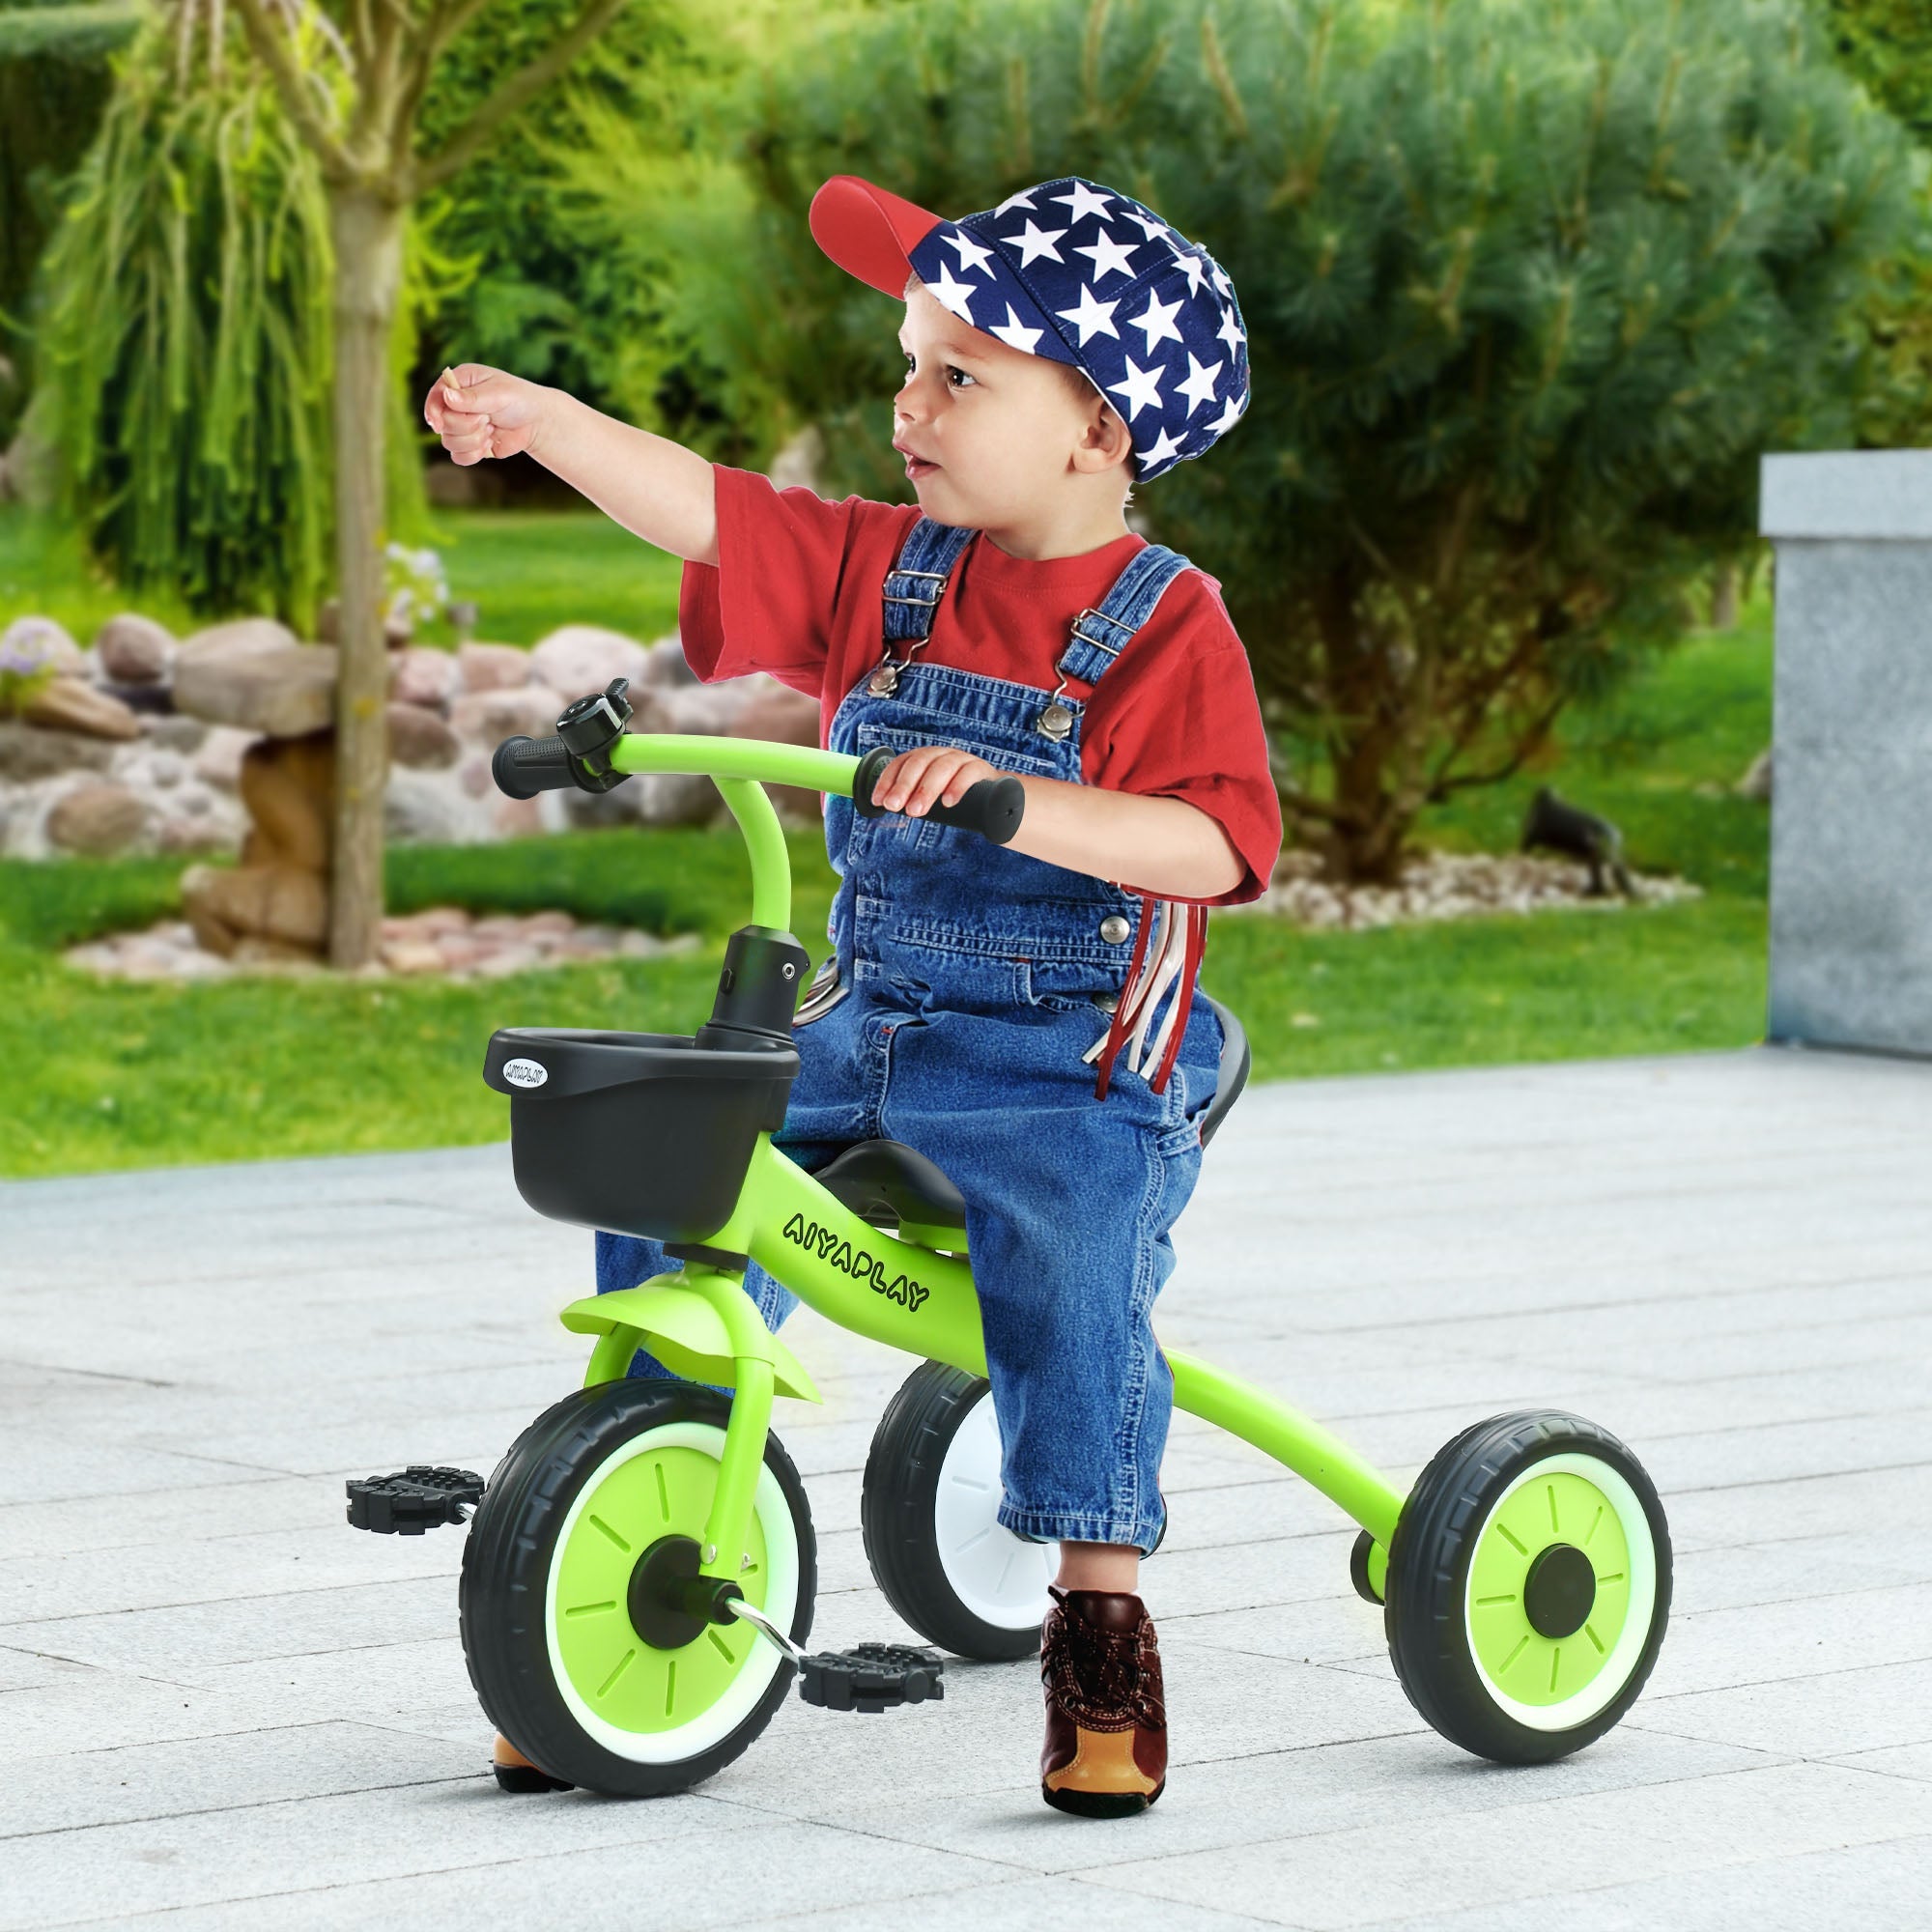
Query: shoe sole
[(1101, 1803), (524, 1779)]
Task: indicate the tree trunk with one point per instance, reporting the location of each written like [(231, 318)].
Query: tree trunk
[(1724, 598), (368, 236)]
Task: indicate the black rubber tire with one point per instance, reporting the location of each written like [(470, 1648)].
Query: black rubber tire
[(505, 1568), (1428, 1572), (897, 1509)]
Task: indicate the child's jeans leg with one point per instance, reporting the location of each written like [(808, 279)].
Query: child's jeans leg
[(623, 1261)]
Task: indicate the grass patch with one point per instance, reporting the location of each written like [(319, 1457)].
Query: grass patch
[(114, 1075), (527, 571)]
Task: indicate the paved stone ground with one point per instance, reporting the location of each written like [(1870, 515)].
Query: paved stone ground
[(223, 1708)]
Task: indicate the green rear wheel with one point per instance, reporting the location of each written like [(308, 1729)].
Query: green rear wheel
[(1529, 1586), (601, 1499)]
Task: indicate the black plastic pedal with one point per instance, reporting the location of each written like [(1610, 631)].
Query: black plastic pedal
[(871, 1677), (414, 1499)]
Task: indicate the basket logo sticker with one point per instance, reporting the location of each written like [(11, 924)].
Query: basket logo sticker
[(832, 1247), (526, 1072)]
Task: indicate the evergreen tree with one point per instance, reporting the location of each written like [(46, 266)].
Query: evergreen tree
[(1529, 288)]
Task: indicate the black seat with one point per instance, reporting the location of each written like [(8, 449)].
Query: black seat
[(1236, 1060), (887, 1181)]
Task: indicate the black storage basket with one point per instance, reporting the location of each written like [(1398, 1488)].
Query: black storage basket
[(642, 1133)]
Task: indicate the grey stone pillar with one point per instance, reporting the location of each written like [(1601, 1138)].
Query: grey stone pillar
[(1850, 827)]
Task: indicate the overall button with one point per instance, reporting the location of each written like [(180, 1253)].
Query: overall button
[(1108, 1003), (1114, 928)]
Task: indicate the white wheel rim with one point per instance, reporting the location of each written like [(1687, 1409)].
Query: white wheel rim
[(1609, 1682), (999, 1576), (714, 1725)]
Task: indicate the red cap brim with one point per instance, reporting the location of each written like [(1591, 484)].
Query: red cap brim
[(869, 232)]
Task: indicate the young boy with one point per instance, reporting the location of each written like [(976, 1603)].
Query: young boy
[(979, 999)]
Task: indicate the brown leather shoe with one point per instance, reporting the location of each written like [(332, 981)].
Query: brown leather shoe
[(1106, 1715), (516, 1773)]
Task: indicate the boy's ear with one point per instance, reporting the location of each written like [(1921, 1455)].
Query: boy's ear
[(1105, 440)]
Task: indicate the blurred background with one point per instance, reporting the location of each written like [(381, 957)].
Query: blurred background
[(1530, 290)]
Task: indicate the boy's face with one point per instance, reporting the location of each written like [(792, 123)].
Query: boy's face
[(993, 436)]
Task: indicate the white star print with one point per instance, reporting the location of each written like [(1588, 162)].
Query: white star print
[(1023, 199), (1084, 202), (1199, 386), (1229, 417), (1155, 229), (971, 254), (1110, 257), (1091, 317), (953, 292), (1012, 330), (1142, 389), (1158, 319), (1163, 449), (1221, 280), (1229, 330), (1033, 242), (1190, 265)]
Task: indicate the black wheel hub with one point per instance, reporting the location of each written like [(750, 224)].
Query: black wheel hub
[(666, 1600), (1560, 1591)]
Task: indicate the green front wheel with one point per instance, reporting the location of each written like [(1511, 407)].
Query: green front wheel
[(570, 1649), (1529, 1586)]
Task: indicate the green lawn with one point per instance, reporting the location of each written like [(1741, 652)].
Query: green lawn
[(106, 1076), (527, 571)]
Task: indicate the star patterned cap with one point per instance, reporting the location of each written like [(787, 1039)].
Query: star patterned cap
[(1076, 272)]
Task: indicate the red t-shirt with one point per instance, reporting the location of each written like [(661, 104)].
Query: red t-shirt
[(797, 592)]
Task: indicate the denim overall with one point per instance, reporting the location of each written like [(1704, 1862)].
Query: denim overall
[(972, 983)]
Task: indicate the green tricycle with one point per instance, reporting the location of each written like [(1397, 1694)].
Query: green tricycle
[(638, 1583)]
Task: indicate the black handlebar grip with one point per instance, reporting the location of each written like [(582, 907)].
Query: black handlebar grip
[(522, 767), (993, 807)]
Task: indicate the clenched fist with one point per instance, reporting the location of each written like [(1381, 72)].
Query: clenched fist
[(481, 411)]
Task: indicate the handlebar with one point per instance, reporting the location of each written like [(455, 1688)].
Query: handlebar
[(592, 752)]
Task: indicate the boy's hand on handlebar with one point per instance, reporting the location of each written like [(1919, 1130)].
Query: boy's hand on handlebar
[(481, 411), (929, 774)]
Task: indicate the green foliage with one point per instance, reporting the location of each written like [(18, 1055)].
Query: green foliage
[(1887, 43), (53, 83), (186, 339), (1529, 288), (527, 293)]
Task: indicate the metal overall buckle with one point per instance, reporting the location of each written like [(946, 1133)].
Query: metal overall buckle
[(885, 680), (1056, 720)]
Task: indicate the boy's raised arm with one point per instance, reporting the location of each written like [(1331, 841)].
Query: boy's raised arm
[(656, 488)]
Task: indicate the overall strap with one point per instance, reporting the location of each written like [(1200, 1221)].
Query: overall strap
[(917, 582), (1100, 633)]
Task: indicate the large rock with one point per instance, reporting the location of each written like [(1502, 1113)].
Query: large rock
[(42, 640), (425, 676), (134, 649), (283, 689), (288, 785), (527, 711), (31, 752), (582, 658), (227, 904), (492, 667), (420, 739), (431, 808), (96, 818), (219, 756), (664, 663), (245, 634), (71, 704)]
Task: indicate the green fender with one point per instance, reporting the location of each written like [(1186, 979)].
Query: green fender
[(684, 1329)]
